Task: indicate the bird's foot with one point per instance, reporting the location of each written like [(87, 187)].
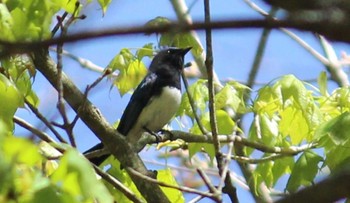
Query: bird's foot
[(158, 138), (171, 135)]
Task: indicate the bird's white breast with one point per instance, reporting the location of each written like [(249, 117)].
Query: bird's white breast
[(157, 112)]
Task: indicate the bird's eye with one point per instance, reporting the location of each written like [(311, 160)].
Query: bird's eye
[(168, 52)]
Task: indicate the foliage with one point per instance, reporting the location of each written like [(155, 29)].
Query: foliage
[(286, 113)]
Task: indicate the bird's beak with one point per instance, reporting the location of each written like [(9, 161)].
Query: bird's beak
[(184, 51)]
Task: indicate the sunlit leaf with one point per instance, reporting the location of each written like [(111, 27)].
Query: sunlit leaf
[(199, 93), (130, 77), (21, 150), (338, 129), (225, 124), (304, 171), (10, 100), (174, 195), (77, 178), (146, 50), (104, 5), (182, 40), (294, 124), (227, 97), (67, 5), (322, 83)]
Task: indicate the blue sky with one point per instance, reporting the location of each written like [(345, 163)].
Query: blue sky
[(234, 51)]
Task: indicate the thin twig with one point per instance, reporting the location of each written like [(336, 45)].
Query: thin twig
[(207, 182), (60, 103), (183, 189), (259, 54), (45, 121), (196, 199), (292, 35), (209, 66), (334, 67), (67, 126), (193, 106), (184, 17), (209, 171), (244, 159), (225, 171), (59, 23), (118, 185), (85, 63), (35, 131)]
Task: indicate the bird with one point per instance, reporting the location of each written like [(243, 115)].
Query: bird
[(154, 102)]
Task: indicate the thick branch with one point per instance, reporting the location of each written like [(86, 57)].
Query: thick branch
[(97, 123), (337, 31), (332, 189)]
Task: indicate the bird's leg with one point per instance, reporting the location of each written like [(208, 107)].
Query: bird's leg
[(158, 138), (171, 135)]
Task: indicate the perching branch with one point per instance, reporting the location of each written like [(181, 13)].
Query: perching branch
[(194, 138)]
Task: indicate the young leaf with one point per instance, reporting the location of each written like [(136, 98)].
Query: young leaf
[(304, 171), (104, 5), (76, 177), (336, 129), (146, 50), (199, 93), (322, 82), (173, 194)]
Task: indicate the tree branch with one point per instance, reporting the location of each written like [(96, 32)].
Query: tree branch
[(338, 31), (92, 117), (194, 138), (332, 189)]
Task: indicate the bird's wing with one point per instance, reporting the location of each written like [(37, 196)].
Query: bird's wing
[(137, 102)]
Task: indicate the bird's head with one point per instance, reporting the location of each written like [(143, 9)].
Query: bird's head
[(172, 57)]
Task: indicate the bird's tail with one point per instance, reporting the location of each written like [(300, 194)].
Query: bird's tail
[(97, 160)]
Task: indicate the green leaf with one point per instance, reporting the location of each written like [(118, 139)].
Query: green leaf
[(264, 171), (158, 21), (6, 24), (104, 5), (322, 82), (194, 148), (336, 155), (304, 171), (130, 77), (21, 150), (182, 40), (146, 50), (77, 178), (131, 71), (67, 5), (10, 101), (173, 194), (294, 124), (124, 178), (281, 167), (199, 93), (227, 97), (337, 129), (225, 124), (31, 19), (121, 60)]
